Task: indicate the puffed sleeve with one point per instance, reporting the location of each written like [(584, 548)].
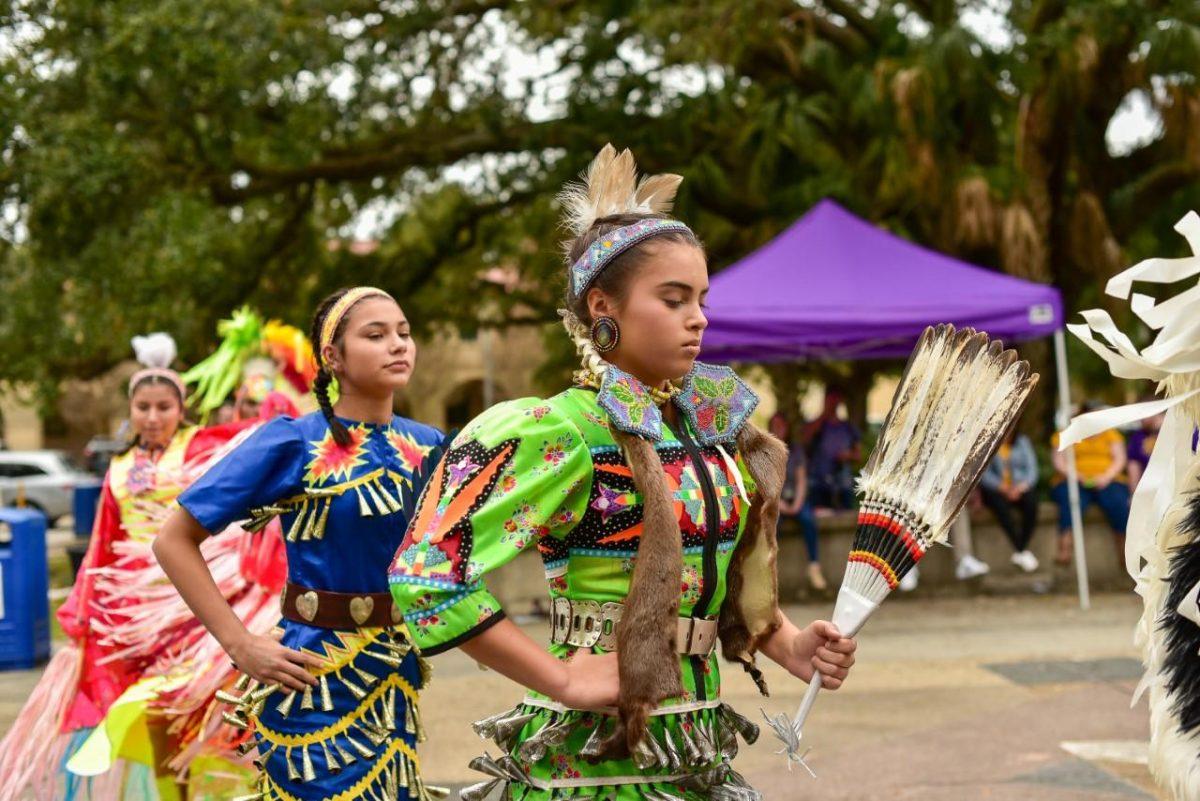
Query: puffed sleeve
[(518, 475), (264, 469)]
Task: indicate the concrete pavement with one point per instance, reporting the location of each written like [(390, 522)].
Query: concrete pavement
[(952, 700)]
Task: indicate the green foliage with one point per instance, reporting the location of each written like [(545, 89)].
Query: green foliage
[(170, 161)]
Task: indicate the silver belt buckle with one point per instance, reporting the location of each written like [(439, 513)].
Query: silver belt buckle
[(610, 616), (560, 619), (584, 627)]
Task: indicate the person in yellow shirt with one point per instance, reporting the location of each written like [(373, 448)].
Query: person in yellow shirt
[(1100, 464)]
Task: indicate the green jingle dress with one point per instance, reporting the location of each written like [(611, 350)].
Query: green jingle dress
[(548, 474)]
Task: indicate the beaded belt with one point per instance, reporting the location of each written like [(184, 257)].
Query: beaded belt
[(587, 624)]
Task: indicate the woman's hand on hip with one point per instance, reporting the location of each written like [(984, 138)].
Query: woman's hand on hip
[(264, 658)]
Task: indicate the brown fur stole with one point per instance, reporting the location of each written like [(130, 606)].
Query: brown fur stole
[(648, 659)]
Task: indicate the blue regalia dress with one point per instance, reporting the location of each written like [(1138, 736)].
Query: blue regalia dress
[(344, 510)]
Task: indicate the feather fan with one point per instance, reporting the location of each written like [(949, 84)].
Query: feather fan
[(959, 394)]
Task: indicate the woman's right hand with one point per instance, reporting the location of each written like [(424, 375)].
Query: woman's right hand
[(591, 681), (263, 658)]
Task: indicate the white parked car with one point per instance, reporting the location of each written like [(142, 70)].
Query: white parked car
[(45, 479)]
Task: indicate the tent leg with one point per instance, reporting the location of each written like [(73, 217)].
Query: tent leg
[(1064, 417)]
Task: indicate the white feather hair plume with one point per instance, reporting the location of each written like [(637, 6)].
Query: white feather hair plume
[(155, 350), (610, 186)]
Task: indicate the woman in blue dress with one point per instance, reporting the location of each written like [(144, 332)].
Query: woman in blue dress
[(330, 699)]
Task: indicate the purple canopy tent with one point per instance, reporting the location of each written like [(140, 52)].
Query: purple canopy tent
[(834, 286)]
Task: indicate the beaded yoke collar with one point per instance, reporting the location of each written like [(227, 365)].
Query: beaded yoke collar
[(713, 398)]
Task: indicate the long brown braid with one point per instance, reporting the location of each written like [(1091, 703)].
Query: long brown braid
[(324, 377)]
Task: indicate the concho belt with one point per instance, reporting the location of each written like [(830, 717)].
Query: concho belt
[(339, 610), (591, 624)]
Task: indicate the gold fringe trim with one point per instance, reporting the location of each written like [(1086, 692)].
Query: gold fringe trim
[(350, 719), (373, 499), (382, 781), (360, 640)]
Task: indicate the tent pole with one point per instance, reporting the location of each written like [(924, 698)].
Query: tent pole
[(1064, 417)]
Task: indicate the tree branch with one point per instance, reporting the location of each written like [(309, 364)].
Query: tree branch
[(417, 147), (855, 18), (845, 38), (1149, 191), (922, 7)]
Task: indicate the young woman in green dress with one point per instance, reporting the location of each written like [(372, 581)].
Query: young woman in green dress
[(652, 502)]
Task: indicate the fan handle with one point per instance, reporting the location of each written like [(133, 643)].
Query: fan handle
[(850, 613)]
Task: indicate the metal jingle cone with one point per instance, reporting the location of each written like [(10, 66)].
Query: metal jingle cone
[(480, 791), (292, 773), (486, 728), (331, 763), (284, 707), (344, 755), (363, 751), (307, 773)]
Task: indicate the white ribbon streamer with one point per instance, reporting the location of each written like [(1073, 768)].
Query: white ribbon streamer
[(1090, 424), (1173, 360)]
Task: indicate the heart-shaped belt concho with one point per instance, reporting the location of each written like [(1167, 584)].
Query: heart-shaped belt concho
[(306, 605), (361, 608)]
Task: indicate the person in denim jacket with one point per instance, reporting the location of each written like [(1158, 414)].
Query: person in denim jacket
[(1009, 489)]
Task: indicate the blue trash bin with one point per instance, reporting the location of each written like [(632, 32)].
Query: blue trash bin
[(84, 504), (24, 607)]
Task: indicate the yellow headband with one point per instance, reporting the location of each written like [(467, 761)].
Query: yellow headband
[(335, 315)]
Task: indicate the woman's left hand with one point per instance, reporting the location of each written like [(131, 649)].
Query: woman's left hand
[(821, 647)]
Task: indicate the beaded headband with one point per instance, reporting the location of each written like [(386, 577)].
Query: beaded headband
[(334, 318), (601, 253)]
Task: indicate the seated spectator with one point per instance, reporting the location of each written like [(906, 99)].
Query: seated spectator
[(833, 447), (1009, 489), (793, 501), (967, 566), (1141, 445), (1100, 464)]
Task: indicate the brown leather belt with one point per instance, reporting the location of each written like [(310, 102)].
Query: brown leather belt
[(339, 610)]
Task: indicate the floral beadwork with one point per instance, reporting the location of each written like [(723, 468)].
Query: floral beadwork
[(716, 401), (629, 404)]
